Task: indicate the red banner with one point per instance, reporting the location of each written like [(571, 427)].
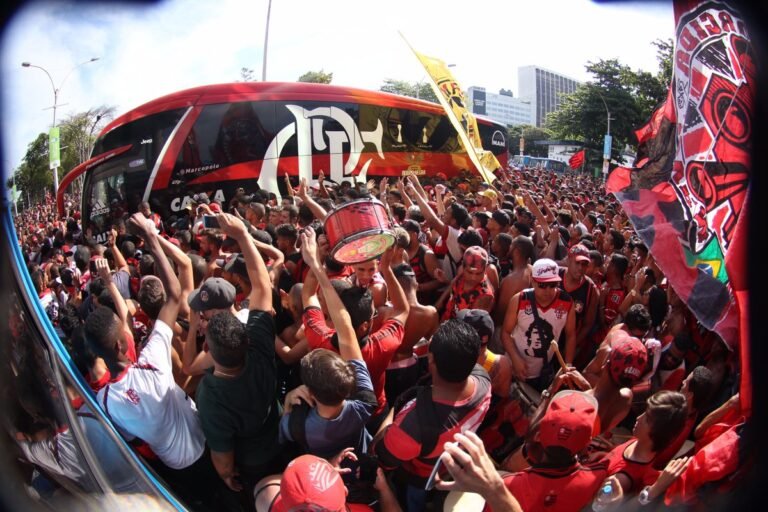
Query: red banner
[(686, 194), (577, 160)]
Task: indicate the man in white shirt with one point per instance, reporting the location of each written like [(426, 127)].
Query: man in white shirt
[(143, 400)]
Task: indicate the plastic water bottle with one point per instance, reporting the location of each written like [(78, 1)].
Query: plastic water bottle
[(605, 497)]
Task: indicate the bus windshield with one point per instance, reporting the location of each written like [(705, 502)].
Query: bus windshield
[(117, 185)]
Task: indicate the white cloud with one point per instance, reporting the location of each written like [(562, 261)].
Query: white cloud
[(148, 52)]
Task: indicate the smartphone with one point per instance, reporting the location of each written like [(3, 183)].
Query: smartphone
[(210, 222), (431, 482)]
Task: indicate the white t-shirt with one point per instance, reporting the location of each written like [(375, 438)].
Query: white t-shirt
[(242, 315), (145, 402)]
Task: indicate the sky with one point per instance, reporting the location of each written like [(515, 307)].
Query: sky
[(146, 52)]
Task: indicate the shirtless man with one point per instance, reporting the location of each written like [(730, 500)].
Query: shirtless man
[(422, 322), (294, 333), (519, 277), (636, 323), (613, 390)]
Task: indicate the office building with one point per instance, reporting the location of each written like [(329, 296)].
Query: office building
[(502, 108), (543, 89)]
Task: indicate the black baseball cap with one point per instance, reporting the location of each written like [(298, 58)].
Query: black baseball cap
[(480, 321), (234, 264), (214, 293)]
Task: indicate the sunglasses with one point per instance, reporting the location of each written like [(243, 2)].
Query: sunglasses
[(547, 285)]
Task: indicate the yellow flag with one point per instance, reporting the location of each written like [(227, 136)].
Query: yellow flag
[(454, 103)]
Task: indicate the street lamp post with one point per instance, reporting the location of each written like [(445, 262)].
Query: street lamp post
[(266, 41), (54, 160)]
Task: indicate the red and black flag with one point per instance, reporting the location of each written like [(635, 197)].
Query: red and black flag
[(577, 160), (686, 195)]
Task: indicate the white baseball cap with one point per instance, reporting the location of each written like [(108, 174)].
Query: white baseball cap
[(545, 271)]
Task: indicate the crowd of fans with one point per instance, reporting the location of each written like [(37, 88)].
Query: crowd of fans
[(519, 334)]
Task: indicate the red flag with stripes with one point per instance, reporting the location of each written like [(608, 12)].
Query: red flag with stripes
[(577, 160), (686, 195)]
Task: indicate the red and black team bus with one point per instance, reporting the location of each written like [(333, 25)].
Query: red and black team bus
[(218, 138)]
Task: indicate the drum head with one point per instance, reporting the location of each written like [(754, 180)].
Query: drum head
[(463, 502), (362, 247)]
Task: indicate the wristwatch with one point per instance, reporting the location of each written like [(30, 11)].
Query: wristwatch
[(645, 496), (545, 394)]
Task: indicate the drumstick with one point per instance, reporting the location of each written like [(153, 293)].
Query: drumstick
[(559, 356)]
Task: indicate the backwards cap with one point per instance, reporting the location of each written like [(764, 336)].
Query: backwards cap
[(569, 422), (310, 480)]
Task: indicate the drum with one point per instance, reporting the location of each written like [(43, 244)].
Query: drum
[(359, 231), (458, 501), (508, 422)]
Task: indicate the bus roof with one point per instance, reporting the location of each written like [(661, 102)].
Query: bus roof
[(272, 91)]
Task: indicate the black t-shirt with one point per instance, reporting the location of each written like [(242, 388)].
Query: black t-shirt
[(241, 413)]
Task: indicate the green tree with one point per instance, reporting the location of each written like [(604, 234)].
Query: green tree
[(316, 77), (79, 132), (664, 50), (34, 175), (421, 90), (530, 134), (630, 97)]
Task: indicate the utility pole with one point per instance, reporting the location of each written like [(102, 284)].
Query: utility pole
[(54, 139), (607, 142)]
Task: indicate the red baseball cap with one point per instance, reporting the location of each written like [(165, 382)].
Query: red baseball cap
[(310, 480), (570, 421), (215, 207), (627, 361), (579, 252)]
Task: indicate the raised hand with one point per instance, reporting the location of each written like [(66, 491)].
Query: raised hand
[(102, 267), (302, 190), (309, 247), (141, 225), (231, 225)]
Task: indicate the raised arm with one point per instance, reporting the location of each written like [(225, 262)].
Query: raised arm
[(429, 215), (321, 185), (170, 310), (400, 306), (117, 255), (184, 267), (348, 345), (261, 287), (401, 188), (194, 362), (534, 209), (122, 309), (274, 254), (317, 210)]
